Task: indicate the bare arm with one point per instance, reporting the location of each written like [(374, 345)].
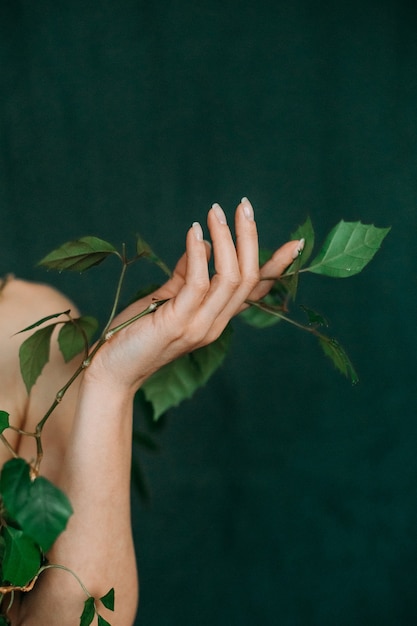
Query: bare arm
[(95, 471)]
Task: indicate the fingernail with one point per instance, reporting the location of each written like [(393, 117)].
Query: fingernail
[(219, 213), (198, 231), (247, 208), (299, 248)]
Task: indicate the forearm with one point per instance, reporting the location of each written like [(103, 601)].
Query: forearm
[(97, 544)]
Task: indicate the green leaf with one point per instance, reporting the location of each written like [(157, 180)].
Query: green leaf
[(144, 250), (254, 316), (44, 319), (332, 349), (306, 232), (88, 613), (315, 319), (4, 420), (348, 249), (4, 621), (45, 514), (41, 509), (22, 557), (108, 599), (178, 380), (15, 484), (102, 621), (34, 355), (75, 336), (79, 255)]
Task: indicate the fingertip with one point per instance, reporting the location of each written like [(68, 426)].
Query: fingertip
[(299, 247), (247, 209), (197, 231)]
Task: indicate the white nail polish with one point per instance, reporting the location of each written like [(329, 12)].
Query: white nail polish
[(247, 209), (299, 248), (219, 213), (198, 231)]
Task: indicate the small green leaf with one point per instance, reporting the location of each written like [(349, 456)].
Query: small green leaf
[(306, 232), (315, 319), (79, 255), (144, 250), (22, 557), (44, 319), (338, 356), (108, 599), (88, 613), (4, 421), (4, 621), (45, 514), (348, 249), (75, 336), (34, 355), (102, 621), (178, 380)]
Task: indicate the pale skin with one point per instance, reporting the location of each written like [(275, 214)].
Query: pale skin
[(87, 440)]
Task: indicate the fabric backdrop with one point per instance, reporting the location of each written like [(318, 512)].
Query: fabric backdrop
[(280, 494)]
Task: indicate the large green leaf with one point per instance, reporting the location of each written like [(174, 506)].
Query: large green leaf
[(102, 622), (45, 514), (78, 255), (178, 380), (75, 336), (22, 557), (34, 355), (15, 484), (41, 509), (348, 249)]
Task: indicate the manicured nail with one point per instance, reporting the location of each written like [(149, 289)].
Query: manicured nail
[(219, 213), (299, 248), (198, 231), (247, 209)]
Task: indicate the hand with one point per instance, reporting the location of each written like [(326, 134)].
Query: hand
[(198, 307)]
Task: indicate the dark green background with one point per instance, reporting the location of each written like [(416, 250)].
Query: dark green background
[(282, 495)]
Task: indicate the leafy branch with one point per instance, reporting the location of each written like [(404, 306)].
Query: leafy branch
[(33, 512)]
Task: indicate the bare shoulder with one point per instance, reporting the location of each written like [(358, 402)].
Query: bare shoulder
[(23, 302)]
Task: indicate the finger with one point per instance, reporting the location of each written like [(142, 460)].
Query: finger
[(274, 268), (237, 268), (196, 281), (174, 284)]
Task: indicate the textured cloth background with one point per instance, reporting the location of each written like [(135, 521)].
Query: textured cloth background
[(281, 495)]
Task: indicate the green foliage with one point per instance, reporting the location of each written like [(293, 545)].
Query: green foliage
[(34, 355), (75, 336), (33, 511), (4, 420), (108, 600), (40, 509), (88, 613), (348, 249), (78, 255), (179, 379), (21, 559)]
